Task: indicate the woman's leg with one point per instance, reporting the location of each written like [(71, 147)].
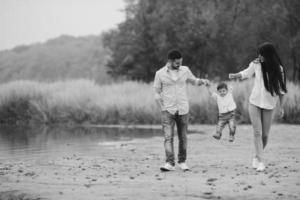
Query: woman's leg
[(267, 118), (255, 114)]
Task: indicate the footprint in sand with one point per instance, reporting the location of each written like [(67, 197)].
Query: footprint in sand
[(211, 181), (247, 187)]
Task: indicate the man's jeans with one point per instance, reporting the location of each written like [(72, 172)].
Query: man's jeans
[(168, 123)]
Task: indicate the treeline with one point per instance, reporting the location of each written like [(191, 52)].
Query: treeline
[(215, 36), (61, 58)]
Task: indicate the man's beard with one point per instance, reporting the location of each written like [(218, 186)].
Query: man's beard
[(175, 67)]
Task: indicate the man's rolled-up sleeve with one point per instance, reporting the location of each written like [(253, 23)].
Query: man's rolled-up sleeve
[(192, 79)]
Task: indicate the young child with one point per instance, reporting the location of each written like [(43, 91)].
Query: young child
[(226, 107)]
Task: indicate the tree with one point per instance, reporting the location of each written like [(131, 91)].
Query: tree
[(215, 37)]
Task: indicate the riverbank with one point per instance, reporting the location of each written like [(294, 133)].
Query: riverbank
[(130, 170)]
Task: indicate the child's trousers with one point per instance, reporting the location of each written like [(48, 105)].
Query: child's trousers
[(226, 118)]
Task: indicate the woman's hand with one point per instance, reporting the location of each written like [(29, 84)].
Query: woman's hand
[(281, 112), (235, 76)]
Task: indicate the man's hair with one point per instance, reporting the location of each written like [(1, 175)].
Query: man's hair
[(174, 54), (222, 86)]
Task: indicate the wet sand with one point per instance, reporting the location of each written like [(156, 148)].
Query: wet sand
[(130, 170)]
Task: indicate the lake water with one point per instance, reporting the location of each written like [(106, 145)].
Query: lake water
[(32, 143)]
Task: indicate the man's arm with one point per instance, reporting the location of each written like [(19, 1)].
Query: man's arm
[(157, 91), (195, 81)]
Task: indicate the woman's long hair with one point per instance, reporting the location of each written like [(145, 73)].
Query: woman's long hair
[(273, 72)]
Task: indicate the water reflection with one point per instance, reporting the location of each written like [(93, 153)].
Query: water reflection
[(36, 141)]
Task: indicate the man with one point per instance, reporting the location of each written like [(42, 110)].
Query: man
[(170, 85)]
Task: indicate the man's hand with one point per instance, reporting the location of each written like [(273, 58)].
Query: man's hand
[(205, 82)]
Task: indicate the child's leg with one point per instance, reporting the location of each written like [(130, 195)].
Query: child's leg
[(232, 124), (220, 126), (232, 127)]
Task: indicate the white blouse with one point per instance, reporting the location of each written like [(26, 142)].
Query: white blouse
[(259, 96)]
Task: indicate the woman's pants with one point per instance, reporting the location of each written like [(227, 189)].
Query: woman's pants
[(261, 120)]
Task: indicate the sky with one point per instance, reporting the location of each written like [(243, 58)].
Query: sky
[(24, 22)]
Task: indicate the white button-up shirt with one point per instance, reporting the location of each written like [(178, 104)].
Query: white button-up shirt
[(260, 96), (171, 87)]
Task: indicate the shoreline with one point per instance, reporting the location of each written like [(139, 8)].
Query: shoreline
[(130, 170)]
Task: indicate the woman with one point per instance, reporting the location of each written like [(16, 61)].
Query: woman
[(269, 86)]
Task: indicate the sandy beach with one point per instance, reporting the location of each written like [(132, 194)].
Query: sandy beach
[(130, 170)]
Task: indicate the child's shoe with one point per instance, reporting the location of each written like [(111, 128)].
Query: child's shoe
[(231, 138), (217, 136)]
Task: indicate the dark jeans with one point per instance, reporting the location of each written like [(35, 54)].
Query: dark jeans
[(226, 118), (168, 124)]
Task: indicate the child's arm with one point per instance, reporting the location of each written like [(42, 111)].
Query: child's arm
[(230, 86), (212, 94)]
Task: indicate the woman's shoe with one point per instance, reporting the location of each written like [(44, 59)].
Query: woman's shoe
[(255, 163), (261, 167)]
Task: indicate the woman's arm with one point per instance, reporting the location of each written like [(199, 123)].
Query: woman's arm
[(235, 76), (246, 73), (281, 99)]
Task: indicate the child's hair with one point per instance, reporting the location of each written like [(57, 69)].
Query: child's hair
[(222, 85)]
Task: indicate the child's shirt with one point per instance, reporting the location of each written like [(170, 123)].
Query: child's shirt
[(226, 103)]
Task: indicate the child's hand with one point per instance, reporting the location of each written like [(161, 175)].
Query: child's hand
[(206, 82)]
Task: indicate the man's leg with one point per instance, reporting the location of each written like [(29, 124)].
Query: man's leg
[(168, 123), (182, 125)]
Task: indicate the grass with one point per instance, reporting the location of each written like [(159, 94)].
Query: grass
[(83, 101)]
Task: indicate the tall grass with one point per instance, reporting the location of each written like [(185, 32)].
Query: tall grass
[(83, 101)]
